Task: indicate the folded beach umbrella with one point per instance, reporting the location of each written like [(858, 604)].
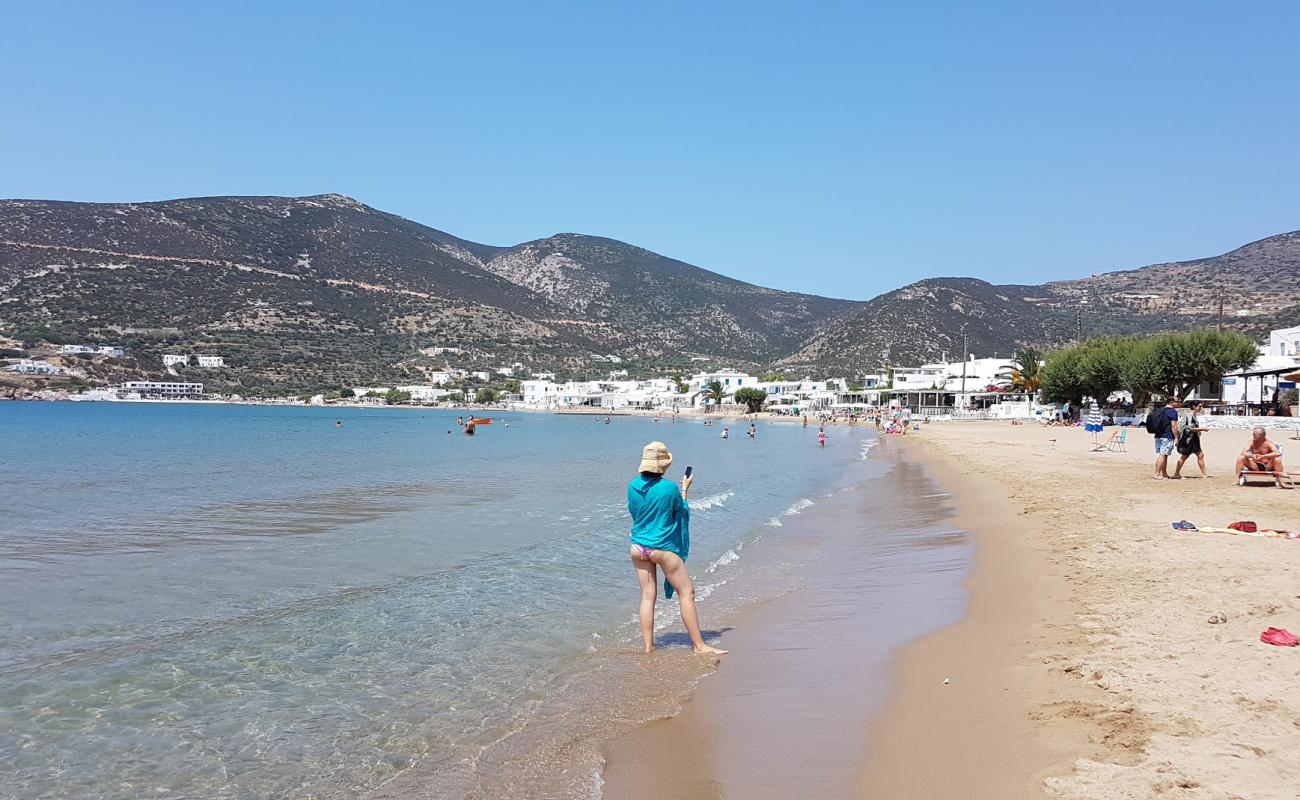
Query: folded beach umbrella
[(1093, 423)]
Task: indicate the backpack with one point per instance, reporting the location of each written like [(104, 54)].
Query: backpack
[(1155, 423)]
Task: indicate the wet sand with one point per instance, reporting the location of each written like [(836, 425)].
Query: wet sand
[(1113, 683), (1086, 666), (786, 714)]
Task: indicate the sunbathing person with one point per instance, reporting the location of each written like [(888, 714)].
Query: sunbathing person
[(1261, 455)]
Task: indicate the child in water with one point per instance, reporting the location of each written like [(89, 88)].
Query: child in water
[(821, 439)]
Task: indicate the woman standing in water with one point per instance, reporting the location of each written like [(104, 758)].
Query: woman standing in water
[(661, 538)]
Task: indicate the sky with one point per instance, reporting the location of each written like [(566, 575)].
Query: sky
[(843, 149)]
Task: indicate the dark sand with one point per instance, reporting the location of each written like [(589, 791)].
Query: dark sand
[(787, 713)]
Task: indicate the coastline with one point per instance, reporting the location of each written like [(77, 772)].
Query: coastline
[(785, 714), (1093, 663), (961, 693), (1087, 661)]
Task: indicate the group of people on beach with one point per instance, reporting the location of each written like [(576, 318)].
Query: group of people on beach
[(1183, 434)]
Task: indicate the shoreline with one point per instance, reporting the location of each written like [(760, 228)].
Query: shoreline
[(1099, 660), (785, 714), (960, 691)]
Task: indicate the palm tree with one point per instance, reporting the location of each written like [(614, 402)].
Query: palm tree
[(1024, 373), (714, 391)]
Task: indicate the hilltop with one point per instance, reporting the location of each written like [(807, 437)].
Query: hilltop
[(326, 291)]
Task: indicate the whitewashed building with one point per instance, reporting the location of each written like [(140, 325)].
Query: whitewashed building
[(175, 359), (28, 366), (161, 388), (211, 361)]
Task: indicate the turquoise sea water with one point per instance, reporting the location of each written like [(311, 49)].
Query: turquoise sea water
[(208, 601)]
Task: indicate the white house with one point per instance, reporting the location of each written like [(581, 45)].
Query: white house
[(509, 372), (730, 379), (442, 378), (1284, 342), (482, 375), (75, 349), (438, 351), (172, 359), (543, 376), (162, 388), (211, 361), (109, 350), (29, 366), (424, 394)]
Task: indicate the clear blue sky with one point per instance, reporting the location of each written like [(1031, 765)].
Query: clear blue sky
[(843, 149)]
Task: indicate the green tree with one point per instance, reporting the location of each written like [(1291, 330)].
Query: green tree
[(345, 393), (752, 397), (395, 395), (485, 395), (1024, 373), (456, 397), (1102, 365), (1061, 377), (1174, 364), (715, 392)]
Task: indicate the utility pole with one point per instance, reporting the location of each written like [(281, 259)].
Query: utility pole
[(965, 359)]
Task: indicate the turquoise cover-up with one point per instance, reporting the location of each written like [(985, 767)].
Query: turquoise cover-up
[(661, 518)]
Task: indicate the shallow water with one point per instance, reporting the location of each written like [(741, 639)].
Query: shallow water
[(247, 602)]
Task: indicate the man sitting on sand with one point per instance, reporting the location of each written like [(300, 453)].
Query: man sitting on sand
[(1261, 455)]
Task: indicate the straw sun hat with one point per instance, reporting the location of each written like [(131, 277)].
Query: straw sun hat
[(655, 458)]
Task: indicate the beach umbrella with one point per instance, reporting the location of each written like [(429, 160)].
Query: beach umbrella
[(1093, 424)]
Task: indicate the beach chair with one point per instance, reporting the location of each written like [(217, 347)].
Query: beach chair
[(1107, 445), (1119, 445), (1249, 476)]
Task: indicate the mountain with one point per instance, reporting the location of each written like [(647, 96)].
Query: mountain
[(325, 291), (1258, 284)]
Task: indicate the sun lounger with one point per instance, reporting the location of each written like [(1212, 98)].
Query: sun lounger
[(1116, 443), (1249, 476)]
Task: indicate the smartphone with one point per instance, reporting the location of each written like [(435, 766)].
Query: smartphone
[(689, 470)]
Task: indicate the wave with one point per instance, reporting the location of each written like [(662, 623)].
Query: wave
[(712, 501), (799, 505), (729, 557)]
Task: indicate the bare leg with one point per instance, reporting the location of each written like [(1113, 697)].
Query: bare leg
[(1178, 470), (1200, 462), (675, 572), (648, 578)]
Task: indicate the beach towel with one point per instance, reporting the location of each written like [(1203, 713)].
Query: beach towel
[(1280, 637), (1263, 533), (1246, 526)]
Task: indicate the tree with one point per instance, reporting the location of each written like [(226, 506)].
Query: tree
[(485, 395), (346, 393), (714, 391), (1174, 364), (1061, 377), (753, 398), (396, 395), (1102, 364), (456, 397), (1024, 373)]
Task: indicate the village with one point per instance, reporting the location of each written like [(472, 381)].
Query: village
[(974, 388)]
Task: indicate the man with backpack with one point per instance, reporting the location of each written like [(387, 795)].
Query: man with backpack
[(1162, 423)]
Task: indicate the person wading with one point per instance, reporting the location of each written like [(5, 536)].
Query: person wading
[(661, 539)]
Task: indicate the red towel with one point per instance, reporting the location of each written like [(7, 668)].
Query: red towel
[(1279, 636), (1245, 527)]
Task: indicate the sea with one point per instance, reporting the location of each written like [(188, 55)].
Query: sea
[(242, 601)]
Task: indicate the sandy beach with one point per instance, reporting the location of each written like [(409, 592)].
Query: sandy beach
[(1118, 686), (1086, 665)]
